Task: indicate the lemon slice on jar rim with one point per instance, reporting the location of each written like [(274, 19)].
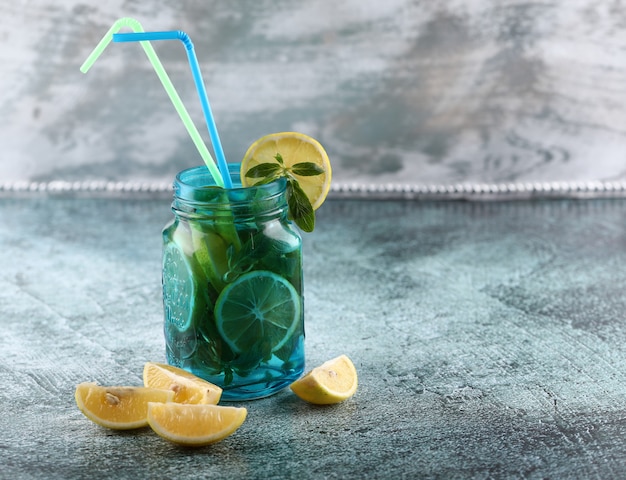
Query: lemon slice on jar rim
[(295, 149)]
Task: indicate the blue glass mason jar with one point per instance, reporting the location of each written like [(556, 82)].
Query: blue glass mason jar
[(232, 285)]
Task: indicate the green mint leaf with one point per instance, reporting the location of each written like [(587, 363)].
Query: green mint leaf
[(267, 180), (228, 376), (307, 169), (300, 207), (251, 252), (264, 170)]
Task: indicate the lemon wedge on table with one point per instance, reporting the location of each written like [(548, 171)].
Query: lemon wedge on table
[(332, 382), (194, 425), (118, 408), (186, 386)]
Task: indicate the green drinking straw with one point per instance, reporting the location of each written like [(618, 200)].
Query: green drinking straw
[(197, 78), (167, 84)]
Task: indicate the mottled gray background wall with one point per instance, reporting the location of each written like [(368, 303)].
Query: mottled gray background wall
[(402, 91)]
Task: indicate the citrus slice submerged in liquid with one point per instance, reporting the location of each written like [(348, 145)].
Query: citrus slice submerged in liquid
[(179, 287), (259, 310)]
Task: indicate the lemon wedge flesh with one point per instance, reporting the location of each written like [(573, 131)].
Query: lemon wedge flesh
[(294, 148), (194, 425), (119, 408), (332, 382), (187, 387)]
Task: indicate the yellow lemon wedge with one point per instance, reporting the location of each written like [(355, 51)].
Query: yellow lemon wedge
[(332, 382), (301, 156), (194, 425), (186, 386), (119, 408)]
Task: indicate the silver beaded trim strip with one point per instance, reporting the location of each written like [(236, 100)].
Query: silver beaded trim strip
[(344, 190), (485, 190), (86, 187)]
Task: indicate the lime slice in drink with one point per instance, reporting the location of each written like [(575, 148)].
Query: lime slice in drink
[(179, 287), (211, 255), (258, 310)]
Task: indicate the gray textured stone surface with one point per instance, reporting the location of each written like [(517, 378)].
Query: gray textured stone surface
[(489, 339), (398, 91)]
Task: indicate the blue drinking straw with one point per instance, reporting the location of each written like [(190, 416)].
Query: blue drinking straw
[(167, 84), (197, 77)]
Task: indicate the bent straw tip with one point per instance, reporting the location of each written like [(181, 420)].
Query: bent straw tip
[(97, 51)]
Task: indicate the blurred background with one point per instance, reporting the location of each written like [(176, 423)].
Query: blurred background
[(402, 91)]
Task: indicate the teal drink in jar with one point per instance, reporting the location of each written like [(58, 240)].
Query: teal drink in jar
[(232, 285)]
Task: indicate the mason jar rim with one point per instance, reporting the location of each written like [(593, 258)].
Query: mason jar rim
[(196, 184)]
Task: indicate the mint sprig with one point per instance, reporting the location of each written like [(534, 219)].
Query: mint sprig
[(300, 208)]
